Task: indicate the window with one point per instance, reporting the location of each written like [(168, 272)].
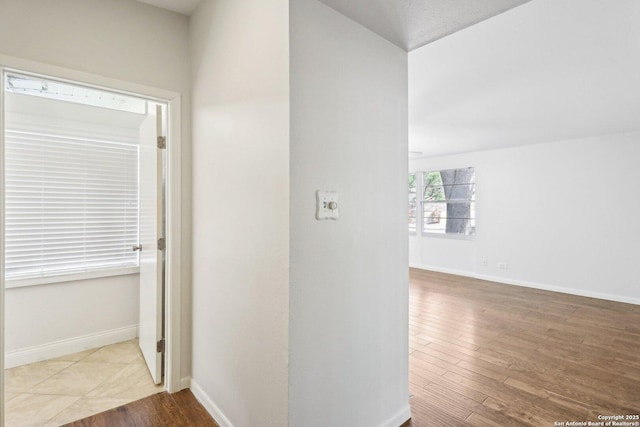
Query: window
[(448, 202), (412, 203), (449, 199), (71, 182)]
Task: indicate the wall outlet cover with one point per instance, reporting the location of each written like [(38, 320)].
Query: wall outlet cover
[(327, 206)]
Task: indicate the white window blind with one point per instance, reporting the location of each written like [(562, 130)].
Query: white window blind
[(71, 198)]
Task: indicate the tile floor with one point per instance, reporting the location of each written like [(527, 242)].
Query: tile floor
[(57, 391)]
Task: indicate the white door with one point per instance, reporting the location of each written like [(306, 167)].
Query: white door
[(151, 229)]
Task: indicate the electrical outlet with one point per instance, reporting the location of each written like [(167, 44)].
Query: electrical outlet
[(503, 266), (485, 263)]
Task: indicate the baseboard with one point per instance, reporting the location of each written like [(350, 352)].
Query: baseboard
[(443, 270), (185, 382), (534, 285), (208, 404), (68, 346), (560, 289), (398, 418)]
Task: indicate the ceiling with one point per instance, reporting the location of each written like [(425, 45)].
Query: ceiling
[(405, 23), (546, 71), (184, 7), (414, 23)]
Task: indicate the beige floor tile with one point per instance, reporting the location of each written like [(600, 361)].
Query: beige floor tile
[(77, 357), (125, 352), (73, 387), (23, 378), (32, 410), (85, 407), (78, 379), (133, 382), (9, 396)]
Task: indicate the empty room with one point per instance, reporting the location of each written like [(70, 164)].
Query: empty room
[(524, 142), (319, 213)]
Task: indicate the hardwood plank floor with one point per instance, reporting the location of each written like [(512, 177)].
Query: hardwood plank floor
[(487, 354), (484, 354), (163, 409)]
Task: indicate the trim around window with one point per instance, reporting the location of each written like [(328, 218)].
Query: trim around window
[(85, 275)]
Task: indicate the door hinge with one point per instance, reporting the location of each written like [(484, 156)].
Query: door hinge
[(160, 346), (162, 244), (162, 142)]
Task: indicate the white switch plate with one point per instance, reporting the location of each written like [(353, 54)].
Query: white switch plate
[(327, 206)]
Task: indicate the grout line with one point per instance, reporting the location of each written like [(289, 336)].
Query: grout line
[(63, 409), (72, 363)]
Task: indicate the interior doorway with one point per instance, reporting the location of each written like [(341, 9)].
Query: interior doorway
[(84, 173)]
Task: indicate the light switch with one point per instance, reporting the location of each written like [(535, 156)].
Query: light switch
[(327, 206)]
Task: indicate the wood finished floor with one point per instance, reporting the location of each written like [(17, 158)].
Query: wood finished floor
[(159, 410), (487, 354)]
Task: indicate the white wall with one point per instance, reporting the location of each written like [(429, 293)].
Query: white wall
[(117, 39), (348, 318), (47, 321), (240, 75), (563, 215), (121, 39)]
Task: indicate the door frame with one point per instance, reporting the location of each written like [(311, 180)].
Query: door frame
[(173, 272)]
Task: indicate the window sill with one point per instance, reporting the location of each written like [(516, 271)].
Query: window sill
[(36, 281)]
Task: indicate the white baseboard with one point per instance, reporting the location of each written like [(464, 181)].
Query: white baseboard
[(534, 285), (398, 418), (68, 346), (185, 383), (208, 404), (443, 270), (563, 290)]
